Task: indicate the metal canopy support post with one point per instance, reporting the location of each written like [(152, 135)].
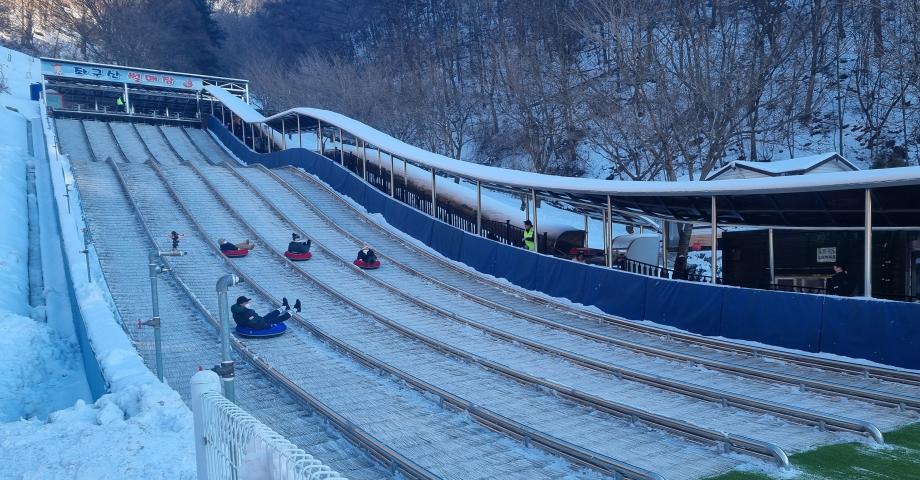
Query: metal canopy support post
[(299, 133), (233, 127), (392, 173), (283, 136), (664, 244), (536, 231), (867, 278), (341, 147), (319, 137), (364, 159), (434, 195), (252, 135), (478, 207), (608, 234), (225, 370), (713, 261), (586, 231), (127, 100), (270, 139), (223, 114), (770, 248)]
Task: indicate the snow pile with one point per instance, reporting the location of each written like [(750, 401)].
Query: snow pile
[(137, 432), (38, 370), (14, 236)]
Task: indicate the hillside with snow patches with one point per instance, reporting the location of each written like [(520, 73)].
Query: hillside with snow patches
[(50, 428)]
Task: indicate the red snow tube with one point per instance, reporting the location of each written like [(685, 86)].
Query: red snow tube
[(367, 266), (298, 257), (235, 253)]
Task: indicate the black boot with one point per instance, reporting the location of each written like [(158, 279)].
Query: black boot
[(285, 304), (297, 306)]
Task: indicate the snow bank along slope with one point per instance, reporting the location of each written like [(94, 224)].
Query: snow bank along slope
[(141, 428)]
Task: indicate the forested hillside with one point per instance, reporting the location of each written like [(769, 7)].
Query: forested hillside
[(633, 89)]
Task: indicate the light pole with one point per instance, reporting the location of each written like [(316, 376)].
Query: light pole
[(225, 369), (155, 266)]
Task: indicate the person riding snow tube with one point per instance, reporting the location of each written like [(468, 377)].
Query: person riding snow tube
[(297, 250), (250, 323), (234, 250), (367, 259)]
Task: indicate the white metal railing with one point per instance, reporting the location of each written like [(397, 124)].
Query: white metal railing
[(231, 444)]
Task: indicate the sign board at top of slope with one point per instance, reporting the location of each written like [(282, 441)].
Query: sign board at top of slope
[(116, 74), (827, 255)]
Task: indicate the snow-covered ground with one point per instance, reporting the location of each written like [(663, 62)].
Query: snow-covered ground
[(49, 426)]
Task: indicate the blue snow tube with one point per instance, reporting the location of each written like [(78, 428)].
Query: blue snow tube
[(272, 331)]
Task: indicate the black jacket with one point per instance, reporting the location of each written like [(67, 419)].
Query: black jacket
[(840, 284), (227, 246), (247, 317), (369, 257), (299, 247)]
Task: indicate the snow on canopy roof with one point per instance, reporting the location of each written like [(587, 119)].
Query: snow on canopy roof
[(664, 200), (792, 166), (543, 182)]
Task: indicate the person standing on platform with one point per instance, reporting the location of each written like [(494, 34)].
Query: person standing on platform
[(530, 236), (840, 283)]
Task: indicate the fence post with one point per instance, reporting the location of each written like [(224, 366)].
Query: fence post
[(202, 382)]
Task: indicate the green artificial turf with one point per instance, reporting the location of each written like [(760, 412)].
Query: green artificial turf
[(899, 459)]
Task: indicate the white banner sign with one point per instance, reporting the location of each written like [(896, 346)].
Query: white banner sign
[(108, 73), (827, 255)]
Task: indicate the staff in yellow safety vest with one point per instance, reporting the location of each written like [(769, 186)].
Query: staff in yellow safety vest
[(529, 236), (120, 102)]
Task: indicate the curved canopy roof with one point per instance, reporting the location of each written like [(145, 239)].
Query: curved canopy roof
[(826, 200)]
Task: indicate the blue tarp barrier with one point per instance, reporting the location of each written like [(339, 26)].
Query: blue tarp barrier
[(885, 332), (860, 328), (418, 225), (687, 305), (615, 292), (374, 200), (479, 253), (792, 321), (564, 279), (445, 241), (516, 265)]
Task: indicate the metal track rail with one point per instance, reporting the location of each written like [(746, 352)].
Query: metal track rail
[(354, 433), (679, 427), (879, 397), (351, 431), (486, 417), (721, 397), (591, 459), (257, 388)]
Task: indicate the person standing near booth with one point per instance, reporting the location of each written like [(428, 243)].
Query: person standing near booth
[(530, 236)]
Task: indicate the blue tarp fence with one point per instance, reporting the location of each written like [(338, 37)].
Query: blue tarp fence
[(882, 331)]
